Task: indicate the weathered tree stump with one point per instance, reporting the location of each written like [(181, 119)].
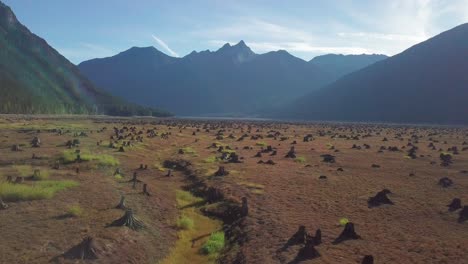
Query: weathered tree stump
[(379, 199), (169, 173), (368, 259), (36, 142), (121, 204), (291, 153), (454, 205), (145, 190), (463, 216), (446, 159), (121, 149), (328, 158), (317, 239), (9, 178), (128, 220), (19, 180), (221, 171), (347, 234), (445, 182), (300, 237), (15, 147), (85, 250), (3, 205), (307, 252), (245, 207)]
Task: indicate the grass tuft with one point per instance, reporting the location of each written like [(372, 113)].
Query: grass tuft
[(185, 223), (214, 244), (210, 159), (261, 144), (300, 160), (75, 211)]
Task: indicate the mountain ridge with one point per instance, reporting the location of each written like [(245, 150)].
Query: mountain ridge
[(426, 83), (233, 80)]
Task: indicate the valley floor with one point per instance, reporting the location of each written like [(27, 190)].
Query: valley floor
[(68, 186)]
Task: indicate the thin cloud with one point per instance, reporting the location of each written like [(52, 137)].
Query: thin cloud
[(165, 46)]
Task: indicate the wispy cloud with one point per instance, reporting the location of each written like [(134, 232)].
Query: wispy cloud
[(165, 46)]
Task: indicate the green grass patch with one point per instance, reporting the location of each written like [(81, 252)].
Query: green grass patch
[(215, 244), (75, 211), (118, 176), (185, 223), (300, 160), (36, 191), (261, 144), (210, 159), (70, 156), (40, 175), (24, 170), (188, 150)]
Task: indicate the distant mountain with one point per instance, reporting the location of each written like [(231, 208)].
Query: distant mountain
[(230, 81), (35, 78), (339, 65), (427, 83)]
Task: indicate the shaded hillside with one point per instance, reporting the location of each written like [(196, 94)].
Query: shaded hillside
[(426, 83), (339, 65), (35, 78), (230, 81)]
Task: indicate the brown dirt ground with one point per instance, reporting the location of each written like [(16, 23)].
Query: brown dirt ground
[(416, 229)]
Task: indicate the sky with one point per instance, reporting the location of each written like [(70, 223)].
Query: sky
[(86, 29)]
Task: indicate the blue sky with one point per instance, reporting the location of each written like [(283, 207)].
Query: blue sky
[(86, 29)]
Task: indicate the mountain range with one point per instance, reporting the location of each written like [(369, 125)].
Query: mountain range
[(35, 78), (230, 81), (427, 83)]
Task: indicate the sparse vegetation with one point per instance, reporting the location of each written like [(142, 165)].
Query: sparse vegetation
[(300, 159), (261, 144), (210, 159), (75, 211), (35, 191), (185, 222), (215, 244), (70, 156), (24, 170)]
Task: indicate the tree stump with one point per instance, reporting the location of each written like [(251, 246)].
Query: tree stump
[(307, 252), (368, 259), (300, 237), (85, 250), (328, 158), (121, 204), (379, 199), (317, 239), (347, 234), (445, 182), (291, 153), (245, 207), (9, 178), (128, 220), (3, 205), (145, 190), (221, 171), (36, 142), (169, 173), (19, 180), (463, 216), (15, 147), (454, 205)]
